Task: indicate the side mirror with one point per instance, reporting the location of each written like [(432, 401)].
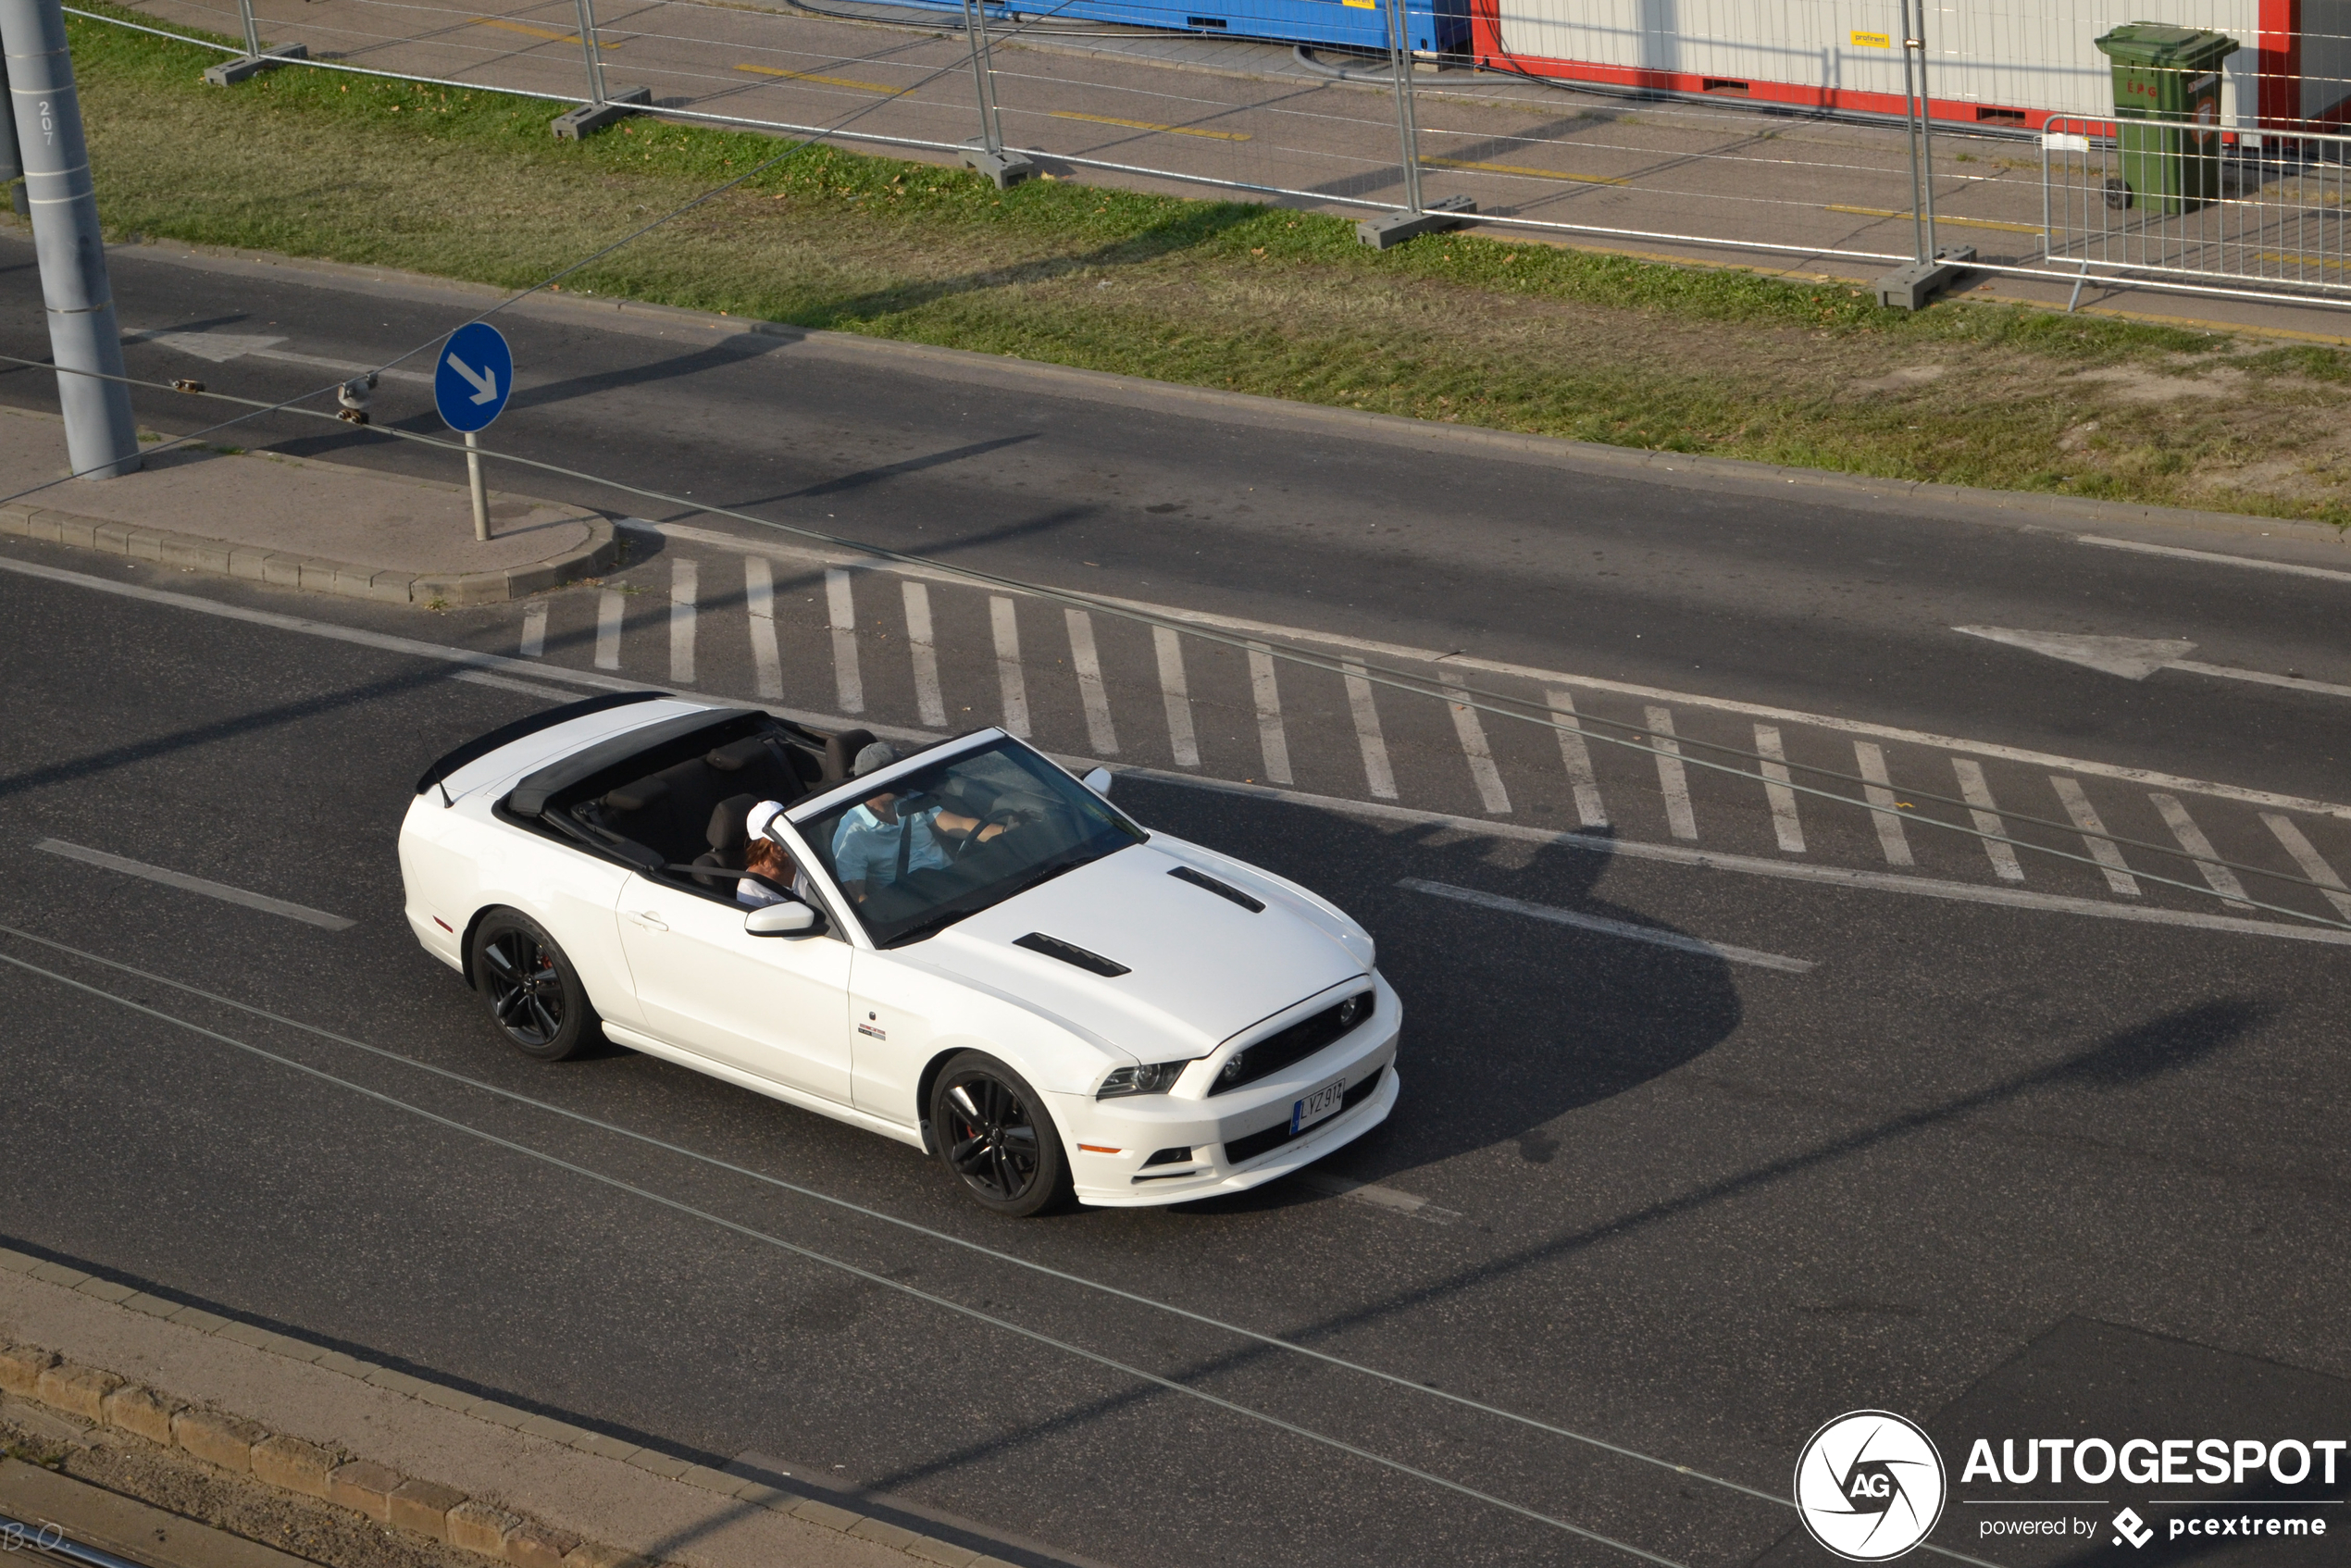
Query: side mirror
[(786, 920), (1098, 782)]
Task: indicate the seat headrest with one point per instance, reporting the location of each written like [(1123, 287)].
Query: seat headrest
[(638, 795), (726, 834), (840, 752)]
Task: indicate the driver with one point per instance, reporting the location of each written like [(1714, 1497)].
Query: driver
[(877, 843)]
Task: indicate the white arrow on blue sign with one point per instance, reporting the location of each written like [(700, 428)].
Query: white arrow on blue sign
[(475, 377)]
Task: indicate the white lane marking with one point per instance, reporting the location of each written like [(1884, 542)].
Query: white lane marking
[(1377, 776), (2213, 556), (2105, 851), (1100, 733), (180, 879), (1672, 778), (610, 604), (1378, 1197), (1756, 866), (1879, 791), (2145, 776), (840, 606), (2288, 682), (2313, 865), (1480, 756), (685, 586), (1003, 619), (1171, 685), (222, 347), (534, 628), (1782, 798), (2223, 880), (1576, 757), (759, 604), (1986, 816), (1607, 928), (925, 649), (527, 687), (1271, 739), (2136, 658)]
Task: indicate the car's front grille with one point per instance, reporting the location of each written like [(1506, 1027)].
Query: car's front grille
[(1295, 1043), (1241, 1150)]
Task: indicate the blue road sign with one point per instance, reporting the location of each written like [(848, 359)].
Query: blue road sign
[(475, 377)]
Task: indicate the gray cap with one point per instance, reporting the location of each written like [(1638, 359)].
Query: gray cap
[(880, 755)]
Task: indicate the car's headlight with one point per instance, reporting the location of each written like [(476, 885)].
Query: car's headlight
[(1157, 1077)]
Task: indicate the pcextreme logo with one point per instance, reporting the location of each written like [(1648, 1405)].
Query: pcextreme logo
[(1870, 1486)]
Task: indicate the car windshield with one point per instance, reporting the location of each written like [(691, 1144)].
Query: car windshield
[(946, 842)]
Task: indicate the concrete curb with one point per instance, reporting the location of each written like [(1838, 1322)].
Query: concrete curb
[(380, 1493), (315, 572)]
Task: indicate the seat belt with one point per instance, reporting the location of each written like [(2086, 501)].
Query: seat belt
[(905, 847)]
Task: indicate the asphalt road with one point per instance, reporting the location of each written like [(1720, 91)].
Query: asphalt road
[(2009, 1170)]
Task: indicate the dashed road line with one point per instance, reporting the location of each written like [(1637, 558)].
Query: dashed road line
[(840, 606), (1782, 798), (685, 586), (1986, 817), (1602, 926), (1100, 733), (924, 649), (2223, 880), (1488, 778), (534, 628), (1271, 739), (1878, 789), (1173, 688), (1003, 620), (1672, 778), (1377, 776), (2213, 558), (759, 604), (186, 883), (2313, 865), (2105, 851), (610, 605), (1576, 757)]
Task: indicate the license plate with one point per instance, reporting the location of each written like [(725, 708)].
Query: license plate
[(1319, 1106)]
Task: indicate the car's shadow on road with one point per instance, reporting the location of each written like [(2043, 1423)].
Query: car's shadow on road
[(1510, 1023)]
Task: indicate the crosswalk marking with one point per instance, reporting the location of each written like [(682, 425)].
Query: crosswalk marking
[(2103, 850), (840, 601), (1879, 791), (534, 628), (2307, 857), (685, 586), (1986, 816), (925, 653), (1003, 620), (1377, 776), (1271, 737), (1576, 757), (1672, 778), (1170, 649), (759, 604), (2223, 881), (1490, 793), (609, 605), (1782, 798), (1100, 731)]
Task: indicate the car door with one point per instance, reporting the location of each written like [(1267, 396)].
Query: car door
[(776, 1007)]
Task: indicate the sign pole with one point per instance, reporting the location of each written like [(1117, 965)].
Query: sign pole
[(481, 496), (470, 387)]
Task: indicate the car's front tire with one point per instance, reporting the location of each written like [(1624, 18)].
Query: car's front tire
[(532, 990), (996, 1138)]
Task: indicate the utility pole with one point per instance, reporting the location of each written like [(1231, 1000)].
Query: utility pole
[(102, 439)]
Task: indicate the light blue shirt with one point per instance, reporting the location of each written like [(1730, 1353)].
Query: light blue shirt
[(865, 847)]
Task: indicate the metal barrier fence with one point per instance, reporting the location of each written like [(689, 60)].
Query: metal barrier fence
[(1641, 142)]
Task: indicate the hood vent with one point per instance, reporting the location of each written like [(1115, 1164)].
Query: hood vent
[(1222, 889), (1070, 952)]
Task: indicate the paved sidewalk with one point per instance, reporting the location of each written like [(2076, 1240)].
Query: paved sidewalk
[(321, 526)]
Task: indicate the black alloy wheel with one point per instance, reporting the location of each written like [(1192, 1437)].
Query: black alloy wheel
[(992, 1132), (534, 996)]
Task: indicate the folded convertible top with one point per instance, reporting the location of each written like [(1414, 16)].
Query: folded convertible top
[(529, 797), (506, 735)]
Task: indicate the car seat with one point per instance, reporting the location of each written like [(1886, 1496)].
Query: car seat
[(729, 837), (840, 752)]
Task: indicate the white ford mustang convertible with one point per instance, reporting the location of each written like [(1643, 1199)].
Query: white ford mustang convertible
[(975, 952)]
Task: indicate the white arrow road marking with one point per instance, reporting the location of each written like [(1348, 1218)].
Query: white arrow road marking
[(484, 382), (2136, 658), (1608, 928), (222, 347)]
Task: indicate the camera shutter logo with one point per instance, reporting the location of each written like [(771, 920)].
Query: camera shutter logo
[(1870, 1486)]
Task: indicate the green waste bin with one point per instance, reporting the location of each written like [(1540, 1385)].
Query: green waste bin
[(2167, 103)]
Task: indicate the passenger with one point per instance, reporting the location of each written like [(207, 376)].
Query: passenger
[(875, 845), (766, 865)]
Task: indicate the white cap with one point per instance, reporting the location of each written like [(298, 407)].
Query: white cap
[(756, 820)]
